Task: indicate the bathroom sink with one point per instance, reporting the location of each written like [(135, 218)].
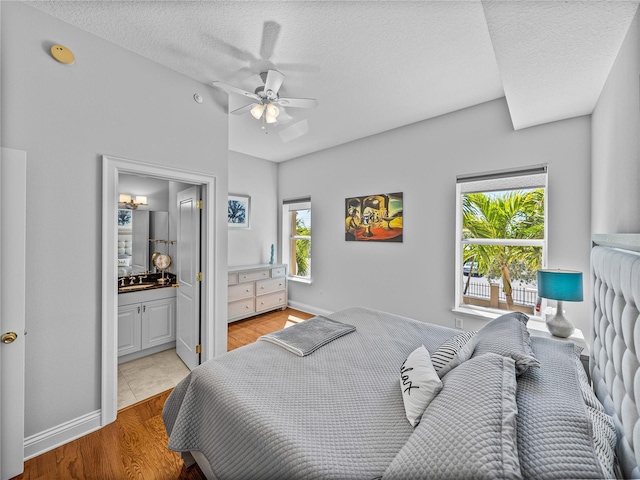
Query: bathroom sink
[(137, 286)]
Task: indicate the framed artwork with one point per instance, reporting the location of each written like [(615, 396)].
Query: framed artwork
[(239, 211), (125, 219), (374, 218)]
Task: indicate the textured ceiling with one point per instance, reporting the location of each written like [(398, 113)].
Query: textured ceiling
[(372, 65)]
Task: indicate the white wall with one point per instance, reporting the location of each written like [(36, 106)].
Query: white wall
[(615, 202), (259, 179), (416, 278), (110, 101)]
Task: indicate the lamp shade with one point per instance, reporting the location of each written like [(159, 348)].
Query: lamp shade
[(564, 285), (257, 111)]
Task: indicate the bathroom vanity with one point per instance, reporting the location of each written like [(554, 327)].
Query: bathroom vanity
[(146, 318)]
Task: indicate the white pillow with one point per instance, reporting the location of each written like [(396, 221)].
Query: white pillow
[(419, 383), (124, 262)]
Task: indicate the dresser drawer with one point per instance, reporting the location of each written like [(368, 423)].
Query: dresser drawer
[(251, 276), (241, 307), (266, 302), (278, 272), (269, 286), (237, 292), (232, 278)]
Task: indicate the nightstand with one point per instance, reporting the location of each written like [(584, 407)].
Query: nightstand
[(538, 328)]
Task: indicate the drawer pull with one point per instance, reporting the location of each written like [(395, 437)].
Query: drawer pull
[(246, 306)]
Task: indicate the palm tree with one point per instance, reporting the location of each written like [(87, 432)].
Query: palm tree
[(515, 214), (302, 248)]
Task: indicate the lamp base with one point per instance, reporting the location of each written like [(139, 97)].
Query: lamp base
[(558, 325)]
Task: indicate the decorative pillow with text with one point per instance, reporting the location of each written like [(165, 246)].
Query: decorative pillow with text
[(419, 383)]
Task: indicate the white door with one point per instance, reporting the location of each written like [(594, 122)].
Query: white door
[(13, 188), (188, 268)]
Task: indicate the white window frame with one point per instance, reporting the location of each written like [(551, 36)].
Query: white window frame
[(519, 178), (288, 207)]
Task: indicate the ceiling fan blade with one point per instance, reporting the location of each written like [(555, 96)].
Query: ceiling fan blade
[(298, 102), (236, 90), (245, 109), (284, 117), (294, 131), (270, 32), (227, 48), (274, 81)]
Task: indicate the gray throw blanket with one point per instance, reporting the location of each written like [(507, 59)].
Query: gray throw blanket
[(306, 337)]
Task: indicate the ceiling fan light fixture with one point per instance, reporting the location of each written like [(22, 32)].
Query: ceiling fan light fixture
[(272, 113), (270, 118), (257, 111)]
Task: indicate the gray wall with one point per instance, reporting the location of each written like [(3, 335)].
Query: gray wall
[(110, 101), (259, 179), (615, 202), (416, 278)]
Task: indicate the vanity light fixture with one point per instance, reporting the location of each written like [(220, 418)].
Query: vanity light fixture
[(128, 202)]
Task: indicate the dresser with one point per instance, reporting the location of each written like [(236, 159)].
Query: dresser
[(256, 289)]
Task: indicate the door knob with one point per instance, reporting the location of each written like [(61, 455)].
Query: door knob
[(9, 337)]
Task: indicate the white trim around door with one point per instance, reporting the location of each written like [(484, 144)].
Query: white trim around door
[(111, 168)]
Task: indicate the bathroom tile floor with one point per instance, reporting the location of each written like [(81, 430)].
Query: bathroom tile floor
[(147, 376)]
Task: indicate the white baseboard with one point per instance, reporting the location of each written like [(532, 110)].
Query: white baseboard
[(42, 442), (303, 307)]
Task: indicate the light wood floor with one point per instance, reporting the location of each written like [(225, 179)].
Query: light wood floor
[(135, 445)]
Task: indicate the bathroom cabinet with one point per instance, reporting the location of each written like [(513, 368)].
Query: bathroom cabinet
[(146, 322)]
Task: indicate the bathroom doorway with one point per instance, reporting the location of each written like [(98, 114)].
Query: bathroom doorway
[(148, 361), (112, 168)]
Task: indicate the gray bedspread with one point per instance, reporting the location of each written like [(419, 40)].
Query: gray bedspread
[(260, 412)]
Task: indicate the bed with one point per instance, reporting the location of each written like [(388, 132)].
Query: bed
[(508, 405)]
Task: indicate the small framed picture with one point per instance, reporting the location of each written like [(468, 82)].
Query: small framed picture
[(239, 211), (124, 219)]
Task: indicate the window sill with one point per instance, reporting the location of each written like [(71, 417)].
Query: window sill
[(300, 280), (486, 315)]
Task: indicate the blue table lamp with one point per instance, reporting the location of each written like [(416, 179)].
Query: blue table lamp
[(563, 286)]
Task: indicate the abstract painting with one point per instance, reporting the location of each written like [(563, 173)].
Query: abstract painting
[(374, 218)]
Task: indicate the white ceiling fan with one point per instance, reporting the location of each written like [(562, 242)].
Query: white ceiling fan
[(268, 104)]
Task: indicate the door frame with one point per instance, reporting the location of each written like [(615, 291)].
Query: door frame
[(111, 167)]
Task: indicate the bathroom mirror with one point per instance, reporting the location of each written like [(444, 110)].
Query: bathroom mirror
[(141, 233)]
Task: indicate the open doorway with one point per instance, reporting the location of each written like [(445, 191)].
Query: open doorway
[(112, 168), (148, 288)]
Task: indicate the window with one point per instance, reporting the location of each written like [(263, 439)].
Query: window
[(502, 238), (296, 215)]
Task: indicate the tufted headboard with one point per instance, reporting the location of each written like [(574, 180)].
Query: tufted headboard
[(615, 333), (125, 251)]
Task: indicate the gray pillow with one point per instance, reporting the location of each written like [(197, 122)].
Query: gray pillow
[(508, 336), (469, 429), (445, 354)]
